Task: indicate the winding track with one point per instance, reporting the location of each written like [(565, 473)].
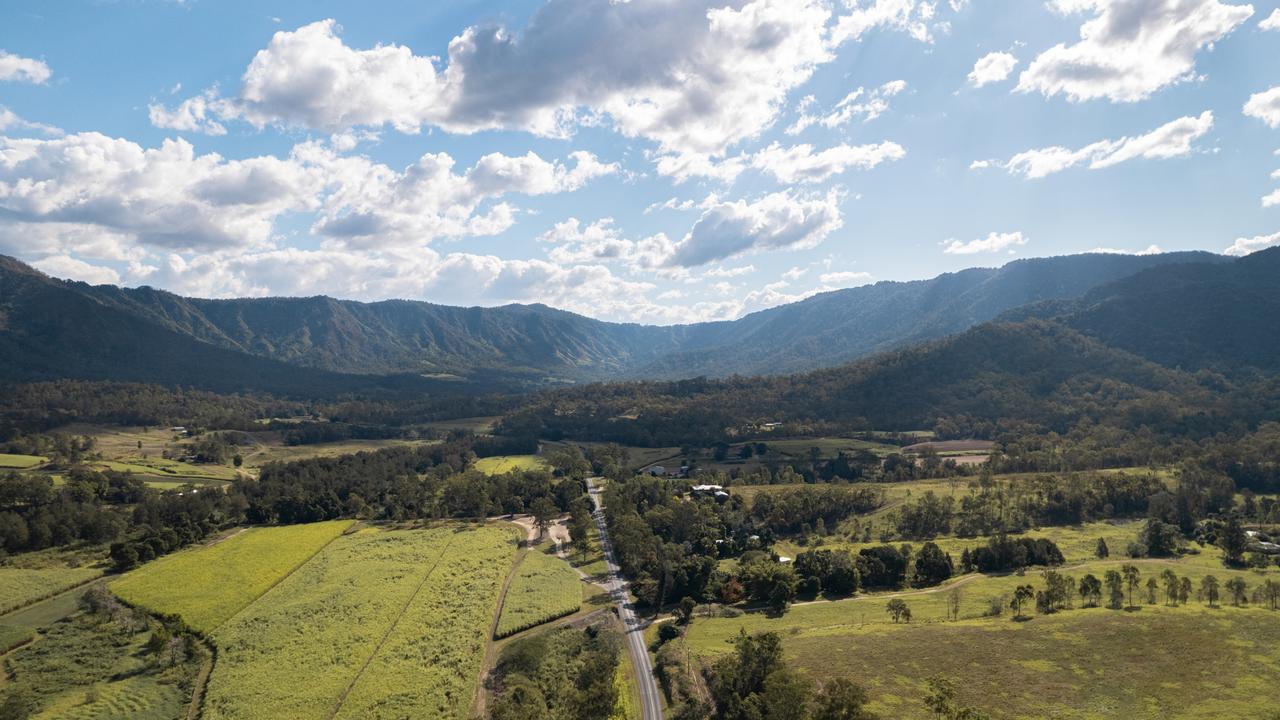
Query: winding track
[(650, 700)]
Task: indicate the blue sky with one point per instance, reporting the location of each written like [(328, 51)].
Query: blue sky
[(654, 160)]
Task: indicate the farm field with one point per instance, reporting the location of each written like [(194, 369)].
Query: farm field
[(828, 447), (381, 623), (544, 588), (482, 424), (20, 462), (209, 584), (499, 464), (1050, 666), (160, 467), (270, 449), (22, 586), (1078, 543)]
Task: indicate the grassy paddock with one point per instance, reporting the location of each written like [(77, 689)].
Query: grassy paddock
[(544, 588), (20, 462), (499, 464), (209, 584), (1189, 661), (23, 586)]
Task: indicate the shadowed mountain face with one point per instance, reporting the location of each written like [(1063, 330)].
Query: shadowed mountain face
[(53, 328)]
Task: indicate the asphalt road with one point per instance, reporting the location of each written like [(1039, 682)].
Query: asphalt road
[(650, 700)]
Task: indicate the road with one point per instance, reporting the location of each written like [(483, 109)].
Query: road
[(650, 700)]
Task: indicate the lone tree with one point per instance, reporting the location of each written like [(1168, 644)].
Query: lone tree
[(1209, 590), (1102, 551), (544, 512), (1153, 590), (1090, 590), (1131, 578), (1233, 541), (1238, 589), (1115, 590), (1170, 579), (1022, 594), (685, 611), (898, 610), (953, 604), (1184, 590)]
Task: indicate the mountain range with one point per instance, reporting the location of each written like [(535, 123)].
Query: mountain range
[(1149, 305)]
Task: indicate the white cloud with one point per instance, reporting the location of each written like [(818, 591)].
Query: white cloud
[(794, 274), (863, 103), (721, 272), (1244, 246), (1271, 22), (169, 197), (9, 121), (1130, 48), (778, 221), (917, 18), (800, 164), (993, 242), (992, 68), (1271, 200), (1173, 139), (15, 68), (1149, 250), (1265, 106), (692, 76), (65, 266), (845, 278), (195, 114)]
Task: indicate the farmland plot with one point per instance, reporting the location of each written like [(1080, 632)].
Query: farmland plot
[(209, 584), (544, 588), (22, 586), (409, 608)]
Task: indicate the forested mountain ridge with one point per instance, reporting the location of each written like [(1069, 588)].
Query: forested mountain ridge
[(509, 347), (1220, 316)]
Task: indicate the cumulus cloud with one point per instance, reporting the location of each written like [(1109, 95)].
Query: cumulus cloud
[(170, 197), (1271, 22), (1272, 199), (781, 220), (194, 114), (65, 266), (1173, 139), (1244, 246), (992, 68), (1130, 48), (861, 103), (993, 242), (692, 76), (15, 68), (1265, 106), (800, 164)]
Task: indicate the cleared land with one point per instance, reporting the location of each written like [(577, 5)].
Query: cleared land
[(543, 589), (21, 462), (499, 464), (1226, 660), (380, 624), (22, 586), (209, 584)]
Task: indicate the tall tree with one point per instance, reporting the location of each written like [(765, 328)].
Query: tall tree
[(1131, 578), (1209, 590)]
